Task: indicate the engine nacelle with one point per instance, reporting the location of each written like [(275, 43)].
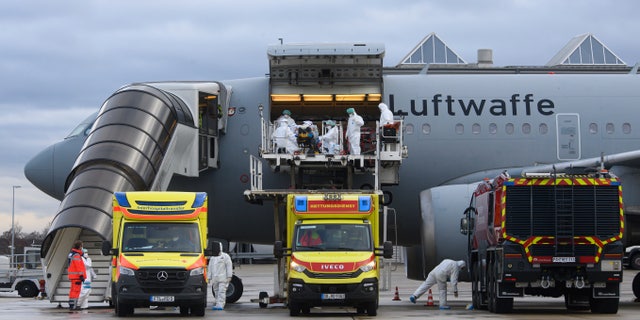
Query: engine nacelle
[(441, 209)]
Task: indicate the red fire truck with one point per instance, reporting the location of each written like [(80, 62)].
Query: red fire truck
[(546, 235)]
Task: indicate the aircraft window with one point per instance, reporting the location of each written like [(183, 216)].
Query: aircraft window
[(593, 128), (459, 128), (493, 128), (626, 128), (475, 129), (610, 128), (509, 128), (408, 129), (426, 128), (543, 129), (526, 128)]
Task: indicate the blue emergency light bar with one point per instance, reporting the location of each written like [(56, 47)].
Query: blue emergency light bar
[(300, 203), (364, 203)]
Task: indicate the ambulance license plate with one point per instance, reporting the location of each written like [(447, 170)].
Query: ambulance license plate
[(333, 296), (162, 298)]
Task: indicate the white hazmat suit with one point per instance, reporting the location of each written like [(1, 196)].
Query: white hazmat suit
[(284, 138), (330, 138), (85, 291), (353, 131), (220, 273), (447, 269), (386, 116)]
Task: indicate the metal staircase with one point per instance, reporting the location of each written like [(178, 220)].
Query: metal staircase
[(99, 286)]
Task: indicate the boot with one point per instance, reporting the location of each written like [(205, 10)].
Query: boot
[(72, 304)]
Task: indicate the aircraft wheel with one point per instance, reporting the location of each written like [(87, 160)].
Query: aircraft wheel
[(635, 285), (634, 261), (262, 296), (235, 289)]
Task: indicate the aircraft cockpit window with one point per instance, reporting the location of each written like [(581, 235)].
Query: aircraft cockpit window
[(83, 128), (509, 128)]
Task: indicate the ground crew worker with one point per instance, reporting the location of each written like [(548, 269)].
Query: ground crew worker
[(447, 269), (83, 300), (76, 273), (353, 131), (220, 273)]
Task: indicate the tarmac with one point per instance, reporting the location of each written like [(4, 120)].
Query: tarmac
[(260, 277)]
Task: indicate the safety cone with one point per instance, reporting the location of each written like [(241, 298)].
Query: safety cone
[(396, 296), (429, 300)]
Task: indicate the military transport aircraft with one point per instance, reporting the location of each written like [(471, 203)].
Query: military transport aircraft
[(460, 124)]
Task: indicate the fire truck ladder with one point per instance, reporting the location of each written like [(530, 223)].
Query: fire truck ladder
[(564, 221)]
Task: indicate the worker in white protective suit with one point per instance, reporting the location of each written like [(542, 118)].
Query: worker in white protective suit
[(85, 291), (285, 140), (447, 269), (329, 140), (353, 131), (220, 273), (286, 116), (386, 116)]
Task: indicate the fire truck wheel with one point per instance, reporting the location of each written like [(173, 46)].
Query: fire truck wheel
[(635, 285)]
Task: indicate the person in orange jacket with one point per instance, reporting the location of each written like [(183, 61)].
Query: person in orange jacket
[(77, 273)]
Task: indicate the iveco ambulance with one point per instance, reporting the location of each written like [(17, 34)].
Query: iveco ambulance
[(332, 248)]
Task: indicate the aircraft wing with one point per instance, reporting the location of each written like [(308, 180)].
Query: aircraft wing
[(629, 159)]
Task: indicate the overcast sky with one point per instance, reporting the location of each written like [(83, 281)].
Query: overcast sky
[(59, 60)]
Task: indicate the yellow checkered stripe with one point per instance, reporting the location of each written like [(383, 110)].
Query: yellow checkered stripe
[(564, 181)]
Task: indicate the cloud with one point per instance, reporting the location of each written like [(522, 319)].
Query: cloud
[(61, 60)]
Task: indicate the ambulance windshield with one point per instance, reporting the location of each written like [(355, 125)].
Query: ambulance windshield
[(333, 237)]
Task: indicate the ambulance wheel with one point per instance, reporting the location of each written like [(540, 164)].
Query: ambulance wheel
[(261, 296), (184, 310), (294, 309), (372, 308), (198, 311)]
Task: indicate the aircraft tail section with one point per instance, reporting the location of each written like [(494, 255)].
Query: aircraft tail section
[(136, 129)]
